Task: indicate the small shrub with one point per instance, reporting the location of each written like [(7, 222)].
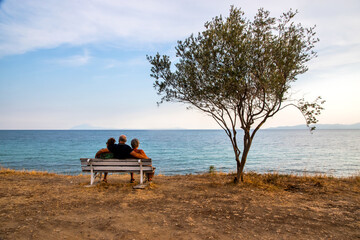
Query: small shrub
[(212, 169)]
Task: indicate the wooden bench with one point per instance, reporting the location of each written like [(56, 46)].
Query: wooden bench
[(131, 165)]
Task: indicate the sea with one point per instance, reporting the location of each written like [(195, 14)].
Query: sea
[(180, 152)]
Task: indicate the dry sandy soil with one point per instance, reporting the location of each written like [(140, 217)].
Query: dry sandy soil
[(35, 205)]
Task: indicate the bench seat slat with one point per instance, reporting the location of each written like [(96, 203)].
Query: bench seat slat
[(115, 160), (114, 164), (117, 169)]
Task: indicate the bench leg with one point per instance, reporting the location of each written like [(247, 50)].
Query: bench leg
[(92, 176), (141, 174), (92, 179), (141, 185)]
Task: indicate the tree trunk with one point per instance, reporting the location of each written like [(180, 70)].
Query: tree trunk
[(238, 175), (243, 161), (247, 145)]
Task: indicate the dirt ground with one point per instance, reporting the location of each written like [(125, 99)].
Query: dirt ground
[(37, 205)]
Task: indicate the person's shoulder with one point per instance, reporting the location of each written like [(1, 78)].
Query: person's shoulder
[(124, 146), (112, 146), (137, 150)]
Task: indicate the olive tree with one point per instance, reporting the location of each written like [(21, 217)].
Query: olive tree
[(240, 72)]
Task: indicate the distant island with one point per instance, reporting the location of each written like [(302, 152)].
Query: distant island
[(321, 127)]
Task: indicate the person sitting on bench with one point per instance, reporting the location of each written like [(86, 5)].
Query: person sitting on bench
[(104, 153), (123, 151), (135, 145)]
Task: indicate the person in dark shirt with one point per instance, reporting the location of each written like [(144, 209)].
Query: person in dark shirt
[(122, 151)]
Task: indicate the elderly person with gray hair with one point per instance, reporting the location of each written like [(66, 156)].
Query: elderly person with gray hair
[(122, 151), (135, 144)]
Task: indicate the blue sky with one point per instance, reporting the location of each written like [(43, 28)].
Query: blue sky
[(68, 63)]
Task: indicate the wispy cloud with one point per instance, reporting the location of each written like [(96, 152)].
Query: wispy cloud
[(75, 60), (36, 24)]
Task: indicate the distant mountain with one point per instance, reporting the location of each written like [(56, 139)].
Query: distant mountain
[(323, 126), (339, 126)]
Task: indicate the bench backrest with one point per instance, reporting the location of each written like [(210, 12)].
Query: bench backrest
[(115, 165)]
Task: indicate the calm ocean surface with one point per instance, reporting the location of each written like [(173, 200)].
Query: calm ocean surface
[(333, 152)]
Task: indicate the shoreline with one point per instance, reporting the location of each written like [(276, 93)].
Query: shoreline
[(302, 174), (206, 206)]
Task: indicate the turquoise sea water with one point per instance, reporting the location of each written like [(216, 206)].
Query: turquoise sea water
[(333, 152)]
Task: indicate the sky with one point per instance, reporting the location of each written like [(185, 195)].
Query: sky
[(69, 63)]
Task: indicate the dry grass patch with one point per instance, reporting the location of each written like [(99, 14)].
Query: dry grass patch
[(38, 205)]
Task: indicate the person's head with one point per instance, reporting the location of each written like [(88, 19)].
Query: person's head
[(110, 141), (135, 143), (122, 139)]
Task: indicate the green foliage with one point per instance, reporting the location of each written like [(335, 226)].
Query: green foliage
[(239, 71), (311, 110), (212, 169)]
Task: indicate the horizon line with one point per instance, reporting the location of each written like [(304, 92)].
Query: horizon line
[(290, 127)]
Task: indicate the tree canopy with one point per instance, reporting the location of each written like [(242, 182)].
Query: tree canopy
[(240, 72)]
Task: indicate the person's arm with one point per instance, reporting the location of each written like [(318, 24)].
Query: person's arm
[(138, 155), (103, 150), (142, 153)]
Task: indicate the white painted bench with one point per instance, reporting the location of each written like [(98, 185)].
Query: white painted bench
[(131, 165)]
